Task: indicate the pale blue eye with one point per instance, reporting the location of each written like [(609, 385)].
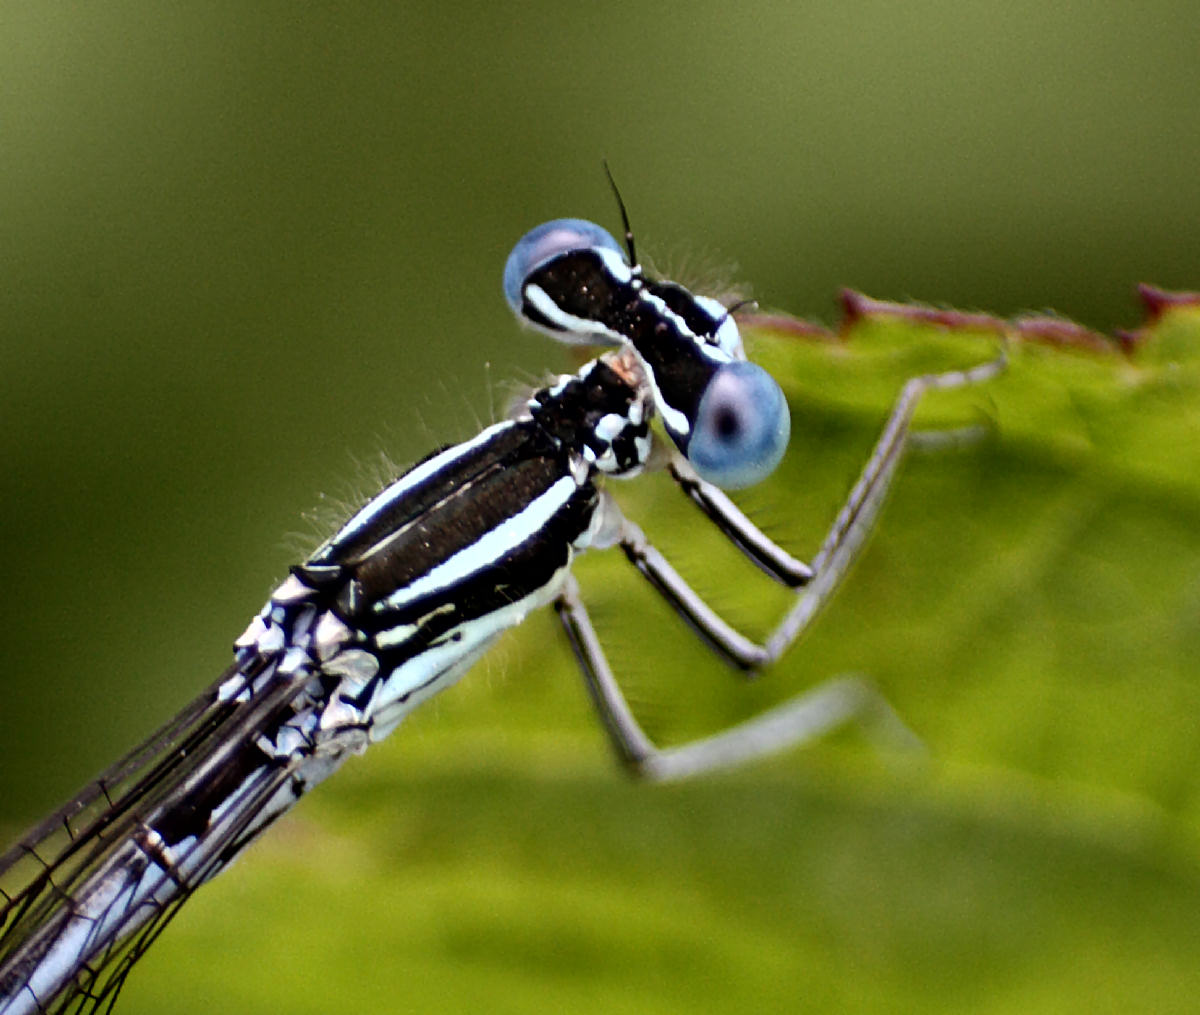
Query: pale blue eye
[(742, 427), (549, 240)]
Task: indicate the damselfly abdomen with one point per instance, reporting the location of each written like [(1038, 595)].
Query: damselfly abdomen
[(421, 581)]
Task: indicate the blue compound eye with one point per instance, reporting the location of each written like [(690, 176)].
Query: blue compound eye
[(742, 427), (547, 241)]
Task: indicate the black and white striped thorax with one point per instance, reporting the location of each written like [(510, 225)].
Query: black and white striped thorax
[(421, 580)]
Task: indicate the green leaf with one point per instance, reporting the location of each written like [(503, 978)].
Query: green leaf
[(1030, 605)]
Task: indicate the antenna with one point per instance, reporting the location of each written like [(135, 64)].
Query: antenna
[(633, 261)]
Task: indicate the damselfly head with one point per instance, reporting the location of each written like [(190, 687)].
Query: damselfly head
[(570, 279)]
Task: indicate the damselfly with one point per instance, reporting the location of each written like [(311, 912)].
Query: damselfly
[(420, 582)]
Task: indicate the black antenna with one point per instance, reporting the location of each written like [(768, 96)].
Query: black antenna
[(740, 305), (633, 261)]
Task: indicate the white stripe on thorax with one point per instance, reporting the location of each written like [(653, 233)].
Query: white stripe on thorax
[(414, 477), (444, 662), (487, 549)]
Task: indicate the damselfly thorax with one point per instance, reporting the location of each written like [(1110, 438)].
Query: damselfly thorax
[(402, 599)]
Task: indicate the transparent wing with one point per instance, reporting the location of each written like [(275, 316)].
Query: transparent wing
[(85, 892)]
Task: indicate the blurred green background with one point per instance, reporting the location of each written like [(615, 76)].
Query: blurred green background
[(246, 249)]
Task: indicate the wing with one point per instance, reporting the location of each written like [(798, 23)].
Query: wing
[(85, 892)]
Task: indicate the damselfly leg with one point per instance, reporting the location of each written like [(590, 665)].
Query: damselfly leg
[(808, 715)]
